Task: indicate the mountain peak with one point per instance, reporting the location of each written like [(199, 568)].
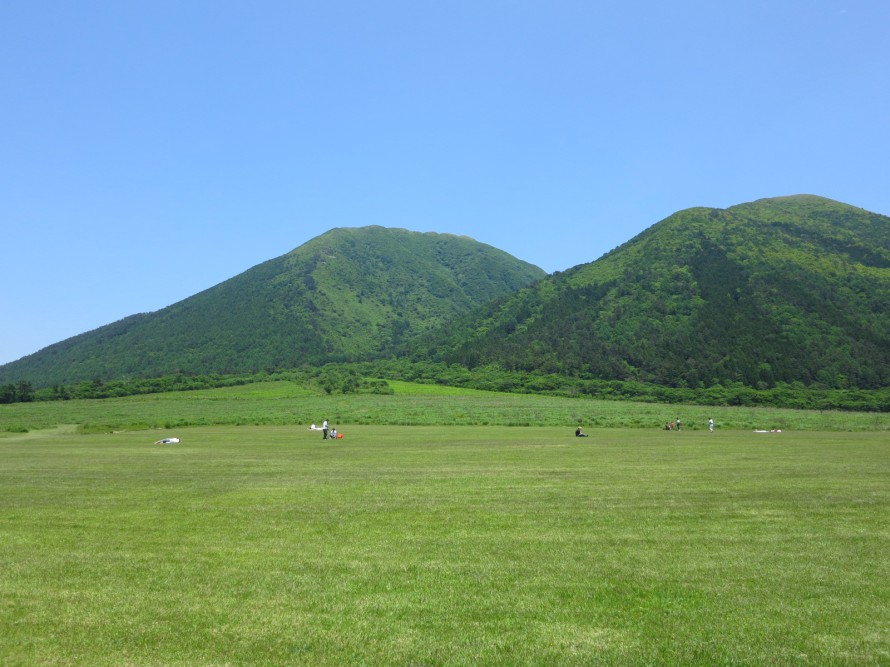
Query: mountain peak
[(782, 289), (348, 294)]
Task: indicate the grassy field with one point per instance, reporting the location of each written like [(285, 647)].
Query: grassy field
[(439, 545), (285, 403)]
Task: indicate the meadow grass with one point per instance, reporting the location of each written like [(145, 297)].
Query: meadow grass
[(456, 545), (285, 403)]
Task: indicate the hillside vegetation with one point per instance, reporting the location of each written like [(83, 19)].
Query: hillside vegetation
[(789, 290), (349, 294)]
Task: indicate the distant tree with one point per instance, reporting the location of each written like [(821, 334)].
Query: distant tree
[(24, 391), (7, 393)]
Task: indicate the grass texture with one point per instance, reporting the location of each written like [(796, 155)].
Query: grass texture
[(444, 545), (286, 403)]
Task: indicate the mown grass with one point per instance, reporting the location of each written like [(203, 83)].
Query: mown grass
[(283, 403), (458, 545)]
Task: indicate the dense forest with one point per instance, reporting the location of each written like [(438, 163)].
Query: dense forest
[(794, 290)]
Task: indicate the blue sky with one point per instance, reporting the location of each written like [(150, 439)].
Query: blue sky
[(150, 150)]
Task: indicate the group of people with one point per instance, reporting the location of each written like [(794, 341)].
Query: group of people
[(669, 426), (678, 425)]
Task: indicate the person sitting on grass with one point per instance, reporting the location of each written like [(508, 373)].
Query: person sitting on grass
[(578, 433)]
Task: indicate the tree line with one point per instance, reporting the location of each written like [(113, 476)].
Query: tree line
[(371, 377)]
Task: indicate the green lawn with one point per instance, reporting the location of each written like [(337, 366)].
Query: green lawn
[(444, 545)]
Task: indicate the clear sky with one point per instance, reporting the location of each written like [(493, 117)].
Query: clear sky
[(151, 149)]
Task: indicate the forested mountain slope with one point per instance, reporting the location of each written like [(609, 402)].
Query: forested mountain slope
[(793, 289), (349, 294)]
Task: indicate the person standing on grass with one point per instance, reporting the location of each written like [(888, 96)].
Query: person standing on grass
[(711, 425), (678, 423), (324, 429)]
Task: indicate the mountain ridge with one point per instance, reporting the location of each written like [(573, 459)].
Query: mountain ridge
[(349, 293), (778, 290), (771, 291)]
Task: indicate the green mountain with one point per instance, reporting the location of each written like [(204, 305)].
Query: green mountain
[(794, 289), (786, 290), (348, 294)]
